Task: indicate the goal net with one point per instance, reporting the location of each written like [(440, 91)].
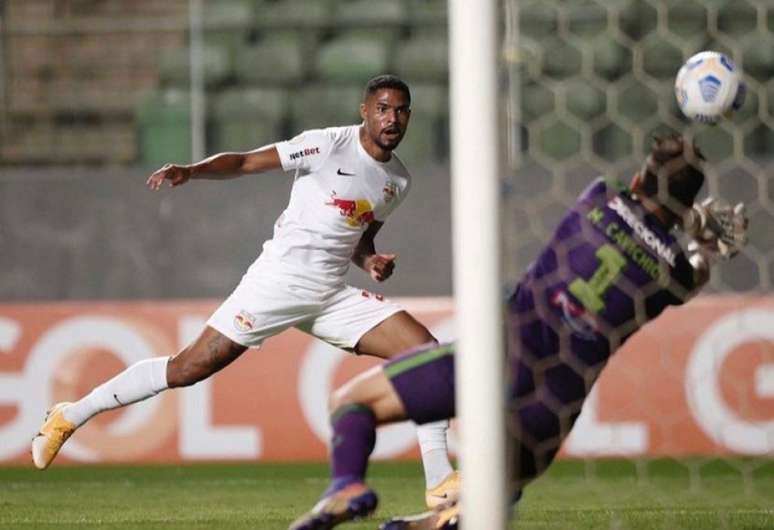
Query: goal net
[(681, 420)]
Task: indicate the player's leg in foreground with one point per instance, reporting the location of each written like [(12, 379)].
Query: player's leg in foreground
[(397, 334), (417, 385), (531, 417), (210, 352), (353, 438), (424, 382)]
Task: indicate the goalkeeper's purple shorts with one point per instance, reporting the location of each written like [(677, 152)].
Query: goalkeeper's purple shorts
[(424, 381)]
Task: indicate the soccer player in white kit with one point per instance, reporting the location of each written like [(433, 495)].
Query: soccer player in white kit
[(347, 181)]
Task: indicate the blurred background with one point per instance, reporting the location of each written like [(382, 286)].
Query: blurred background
[(95, 94)]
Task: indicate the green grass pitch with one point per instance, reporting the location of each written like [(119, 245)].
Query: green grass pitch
[(612, 494)]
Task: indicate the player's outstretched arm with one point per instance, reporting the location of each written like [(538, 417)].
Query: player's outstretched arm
[(218, 167), (379, 266)]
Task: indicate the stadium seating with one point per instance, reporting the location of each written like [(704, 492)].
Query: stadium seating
[(736, 19), (164, 125), (175, 68), (272, 61), (611, 59), (228, 23), (352, 58), (427, 12), (758, 59), (612, 142), (538, 21), (688, 21), (560, 58), (559, 139), (637, 102), (285, 14), (586, 19), (374, 13), (424, 57), (426, 140), (715, 143), (584, 100), (324, 105), (243, 119), (324, 50), (637, 19), (661, 59)]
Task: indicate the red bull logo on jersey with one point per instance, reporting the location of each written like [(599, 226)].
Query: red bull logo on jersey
[(358, 212), (390, 190), (244, 321)]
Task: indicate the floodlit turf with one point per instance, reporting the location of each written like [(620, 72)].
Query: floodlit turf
[(668, 494)]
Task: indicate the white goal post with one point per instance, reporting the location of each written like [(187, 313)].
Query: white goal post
[(477, 279)]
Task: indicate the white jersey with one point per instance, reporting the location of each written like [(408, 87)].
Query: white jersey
[(338, 190)]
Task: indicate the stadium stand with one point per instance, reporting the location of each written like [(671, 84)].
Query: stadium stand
[(71, 63), (71, 67), (163, 125), (272, 61), (105, 83), (244, 119), (352, 58)]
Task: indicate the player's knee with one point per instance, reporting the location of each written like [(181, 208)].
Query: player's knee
[(346, 395), (339, 398)]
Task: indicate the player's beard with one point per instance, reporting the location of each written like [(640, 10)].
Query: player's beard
[(390, 144)]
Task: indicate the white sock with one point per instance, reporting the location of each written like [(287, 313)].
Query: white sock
[(140, 381), (435, 457)]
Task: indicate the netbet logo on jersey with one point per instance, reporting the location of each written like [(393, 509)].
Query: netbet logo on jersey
[(304, 152)]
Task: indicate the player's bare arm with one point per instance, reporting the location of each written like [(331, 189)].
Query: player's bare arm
[(379, 266), (217, 167)]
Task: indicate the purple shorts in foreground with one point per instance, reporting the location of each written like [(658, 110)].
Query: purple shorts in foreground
[(424, 381)]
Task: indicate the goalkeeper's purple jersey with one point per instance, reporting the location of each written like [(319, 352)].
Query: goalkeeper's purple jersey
[(609, 268)]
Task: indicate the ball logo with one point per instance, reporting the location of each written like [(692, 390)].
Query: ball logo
[(709, 86), (690, 65), (728, 63)]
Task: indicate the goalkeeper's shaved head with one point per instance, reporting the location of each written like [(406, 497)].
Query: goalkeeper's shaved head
[(672, 175)]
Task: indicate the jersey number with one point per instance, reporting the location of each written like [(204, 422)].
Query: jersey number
[(590, 291)]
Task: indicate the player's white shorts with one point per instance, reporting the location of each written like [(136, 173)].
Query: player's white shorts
[(270, 300)]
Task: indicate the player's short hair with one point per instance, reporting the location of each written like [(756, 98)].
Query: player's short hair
[(672, 173), (386, 81)]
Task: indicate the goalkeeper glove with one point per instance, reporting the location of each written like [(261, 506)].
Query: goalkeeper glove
[(718, 230)]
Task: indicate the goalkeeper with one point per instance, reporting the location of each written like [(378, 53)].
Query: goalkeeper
[(612, 265)]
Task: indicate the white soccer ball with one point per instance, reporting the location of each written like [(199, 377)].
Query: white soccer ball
[(708, 87)]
